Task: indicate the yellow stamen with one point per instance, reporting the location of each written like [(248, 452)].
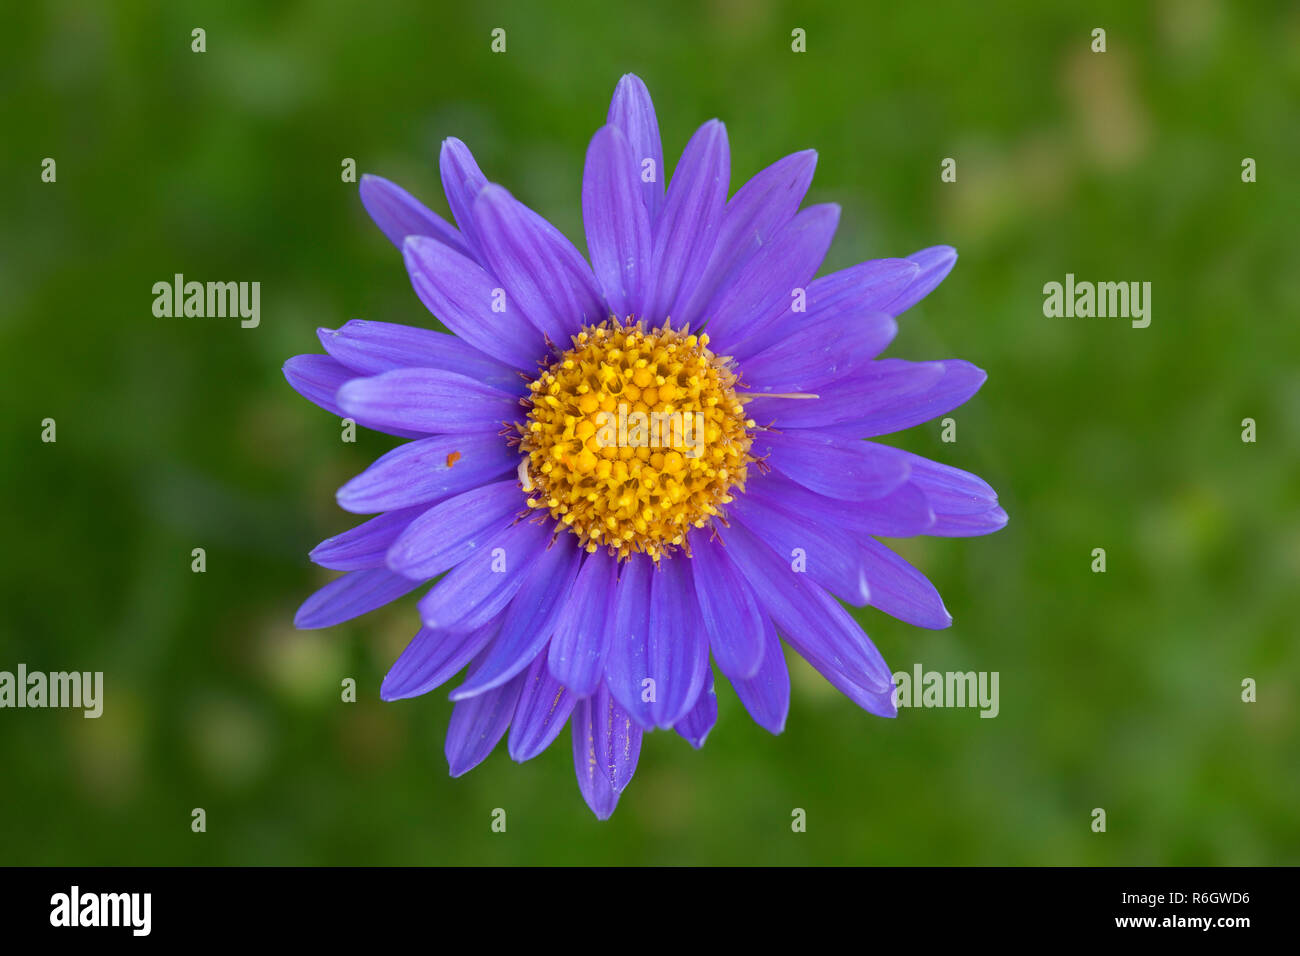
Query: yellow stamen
[(634, 496)]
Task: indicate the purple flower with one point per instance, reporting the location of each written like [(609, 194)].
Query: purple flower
[(616, 470)]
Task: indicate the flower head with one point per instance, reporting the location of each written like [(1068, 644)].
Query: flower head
[(620, 471)]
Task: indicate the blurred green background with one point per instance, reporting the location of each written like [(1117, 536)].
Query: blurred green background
[(1119, 690)]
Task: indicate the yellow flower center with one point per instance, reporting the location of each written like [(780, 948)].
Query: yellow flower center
[(634, 437)]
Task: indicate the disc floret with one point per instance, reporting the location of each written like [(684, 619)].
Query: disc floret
[(635, 436)]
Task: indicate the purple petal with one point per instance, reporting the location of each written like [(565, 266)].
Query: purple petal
[(969, 526), (658, 657), (433, 658), (449, 532), (544, 706), (687, 228), (935, 263), (676, 654), (766, 695), (859, 290), (866, 287), (429, 400), (399, 214), (836, 467), (543, 274), (629, 634), (426, 470), (902, 513), (529, 621), (318, 378), (950, 490), (885, 413), (900, 590), (873, 701), (581, 641), (477, 724), (461, 181), (618, 227), (874, 390), (462, 294), (814, 623), (885, 396), (760, 207), (728, 610), (634, 114), (352, 595), (763, 289), (830, 560), (699, 720), (365, 545), (477, 589), (374, 347), (606, 745), (819, 353)]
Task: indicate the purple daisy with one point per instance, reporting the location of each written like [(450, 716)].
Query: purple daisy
[(618, 470)]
